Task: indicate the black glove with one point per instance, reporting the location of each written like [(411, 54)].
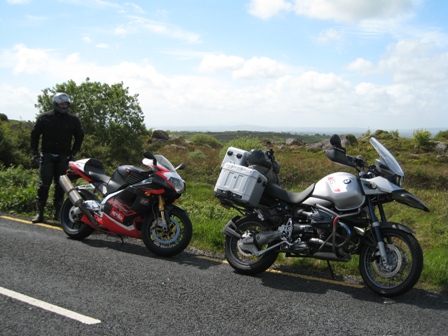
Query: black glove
[(37, 159)]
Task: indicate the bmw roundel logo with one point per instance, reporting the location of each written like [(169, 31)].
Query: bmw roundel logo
[(347, 181)]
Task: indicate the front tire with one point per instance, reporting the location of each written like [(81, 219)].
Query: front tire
[(243, 261), (71, 224), (405, 264), (172, 240)]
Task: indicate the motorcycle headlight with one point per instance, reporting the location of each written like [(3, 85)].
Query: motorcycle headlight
[(399, 180), (178, 184)]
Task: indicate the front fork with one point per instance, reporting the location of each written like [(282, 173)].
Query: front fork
[(162, 223), (376, 229)]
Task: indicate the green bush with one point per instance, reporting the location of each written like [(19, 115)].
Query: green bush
[(422, 139), (197, 154), (19, 190), (205, 139), (442, 136), (244, 143)]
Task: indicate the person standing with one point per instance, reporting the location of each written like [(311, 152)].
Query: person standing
[(62, 135)]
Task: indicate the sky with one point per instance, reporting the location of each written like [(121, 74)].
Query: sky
[(217, 64)]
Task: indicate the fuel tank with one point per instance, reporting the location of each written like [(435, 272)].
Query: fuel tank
[(341, 189)]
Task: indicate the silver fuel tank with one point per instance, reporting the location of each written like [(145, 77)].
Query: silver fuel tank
[(341, 189)]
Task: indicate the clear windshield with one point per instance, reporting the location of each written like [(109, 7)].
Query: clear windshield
[(386, 157), (163, 161)]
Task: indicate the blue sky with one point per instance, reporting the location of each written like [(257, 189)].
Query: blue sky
[(275, 64)]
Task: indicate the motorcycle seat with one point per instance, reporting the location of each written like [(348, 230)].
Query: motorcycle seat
[(288, 196), (99, 177)]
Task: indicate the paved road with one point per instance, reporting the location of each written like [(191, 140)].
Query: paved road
[(123, 289)]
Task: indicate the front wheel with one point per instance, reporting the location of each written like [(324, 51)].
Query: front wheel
[(169, 240), (71, 223), (403, 268), (239, 254)]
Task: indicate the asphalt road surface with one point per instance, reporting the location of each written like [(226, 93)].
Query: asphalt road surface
[(52, 285)]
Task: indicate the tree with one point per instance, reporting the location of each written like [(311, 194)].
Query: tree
[(111, 118)]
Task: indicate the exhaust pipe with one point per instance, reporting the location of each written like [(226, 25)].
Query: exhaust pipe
[(76, 198), (70, 190)]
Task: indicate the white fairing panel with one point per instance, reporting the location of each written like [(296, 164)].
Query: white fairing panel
[(342, 189)]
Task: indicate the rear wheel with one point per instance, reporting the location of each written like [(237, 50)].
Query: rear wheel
[(238, 254), (170, 240), (403, 268), (71, 223)]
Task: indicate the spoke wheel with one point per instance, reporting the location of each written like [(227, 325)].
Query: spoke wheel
[(170, 240), (241, 257), (71, 223), (403, 267)]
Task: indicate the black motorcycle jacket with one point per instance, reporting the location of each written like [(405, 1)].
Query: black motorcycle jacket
[(57, 131)]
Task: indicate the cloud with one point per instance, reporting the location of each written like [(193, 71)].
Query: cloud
[(266, 9), (18, 2), (413, 62), (87, 39), (259, 67), (337, 10), (280, 99), (102, 45), (254, 68), (361, 65), (18, 98), (329, 35), (352, 10), (160, 28), (135, 7), (212, 63)]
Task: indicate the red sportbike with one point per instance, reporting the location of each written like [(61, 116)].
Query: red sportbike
[(133, 202)]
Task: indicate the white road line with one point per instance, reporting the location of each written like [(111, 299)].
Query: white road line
[(47, 306)]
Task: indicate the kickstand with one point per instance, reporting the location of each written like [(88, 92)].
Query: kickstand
[(331, 269), (122, 240)]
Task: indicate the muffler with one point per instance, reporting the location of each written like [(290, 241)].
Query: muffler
[(70, 190), (76, 198)]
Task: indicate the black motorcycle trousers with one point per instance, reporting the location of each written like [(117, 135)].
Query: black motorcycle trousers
[(51, 168)]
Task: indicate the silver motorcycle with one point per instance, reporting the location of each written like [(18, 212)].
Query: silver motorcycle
[(339, 216)]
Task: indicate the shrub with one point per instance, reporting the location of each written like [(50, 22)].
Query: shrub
[(197, 154), (19, 190), (205, 139), (442, 136), (245, 143), (422, 139)]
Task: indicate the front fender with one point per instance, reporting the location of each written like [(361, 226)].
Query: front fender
[(168, 208), (370, 239), (396, 226)]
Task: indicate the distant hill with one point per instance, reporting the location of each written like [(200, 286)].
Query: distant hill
[(405, 133)]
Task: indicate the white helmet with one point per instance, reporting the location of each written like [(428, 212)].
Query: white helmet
[(59, 98)]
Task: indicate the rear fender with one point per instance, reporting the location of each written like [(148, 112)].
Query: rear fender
[(230, 229)]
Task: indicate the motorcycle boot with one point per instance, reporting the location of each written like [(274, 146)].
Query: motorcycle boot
[(39, 218), (41, 200), (57, 210), (58, 197)]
